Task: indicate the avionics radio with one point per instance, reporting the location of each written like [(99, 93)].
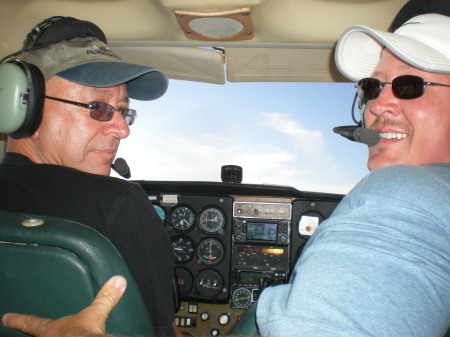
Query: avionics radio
[(265, 223), (260, 249), (253, 268)]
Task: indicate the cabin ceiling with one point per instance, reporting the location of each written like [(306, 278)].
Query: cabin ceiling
[(292, 40)]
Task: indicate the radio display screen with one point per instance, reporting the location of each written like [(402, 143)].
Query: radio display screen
[(262, 231), (250, 277)]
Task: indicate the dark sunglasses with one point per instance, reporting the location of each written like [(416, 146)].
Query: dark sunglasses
[(403, 87), (101, 111)]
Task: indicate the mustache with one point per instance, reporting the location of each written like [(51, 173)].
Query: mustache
[(108, 144), (382, 122)]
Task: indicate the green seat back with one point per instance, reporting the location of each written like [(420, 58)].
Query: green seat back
[(56, 269), (246, 326)]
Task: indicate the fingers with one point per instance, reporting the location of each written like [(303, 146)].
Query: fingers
[(106, 299), (91, 319), (29, 324), (178, 333)]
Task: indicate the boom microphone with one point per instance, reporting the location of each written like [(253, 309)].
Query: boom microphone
[(122, 168), (357, 134)]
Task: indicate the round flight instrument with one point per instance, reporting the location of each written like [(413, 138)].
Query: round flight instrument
[(185, 280), (242, 298), (208, 283), (212, 220), (182, 218), (183, 248), (210, 251)]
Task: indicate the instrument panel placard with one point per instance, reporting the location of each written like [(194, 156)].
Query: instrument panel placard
[(262, 210)]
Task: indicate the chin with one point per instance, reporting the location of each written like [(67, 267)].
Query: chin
[(376, 164), (100, 169), (103, 172)]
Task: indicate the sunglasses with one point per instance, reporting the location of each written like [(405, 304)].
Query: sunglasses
[(101, 111), (403, 87)]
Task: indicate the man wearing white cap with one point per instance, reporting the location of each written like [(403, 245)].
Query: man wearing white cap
[(59, 155), (380, 265)]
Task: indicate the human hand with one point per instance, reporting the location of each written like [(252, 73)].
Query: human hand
[(88, 322)]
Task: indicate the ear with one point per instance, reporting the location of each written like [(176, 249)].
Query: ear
[(35, 135)]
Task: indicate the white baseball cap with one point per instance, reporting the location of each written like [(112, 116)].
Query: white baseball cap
[(423, 42)]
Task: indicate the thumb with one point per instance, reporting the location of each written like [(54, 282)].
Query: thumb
[(106, 299)]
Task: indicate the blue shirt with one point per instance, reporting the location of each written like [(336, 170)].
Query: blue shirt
[(379, 266)]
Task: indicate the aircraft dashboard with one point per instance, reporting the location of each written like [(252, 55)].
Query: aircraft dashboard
[(229, 241)]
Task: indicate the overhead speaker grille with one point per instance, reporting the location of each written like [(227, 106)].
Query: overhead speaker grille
[(233, 25)]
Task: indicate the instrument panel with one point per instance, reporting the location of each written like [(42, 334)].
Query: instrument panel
[(200, 230), (230, 241)]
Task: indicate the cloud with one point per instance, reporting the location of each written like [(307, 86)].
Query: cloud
[(180, 158), (303, 141), (275, 150), (197, 158)]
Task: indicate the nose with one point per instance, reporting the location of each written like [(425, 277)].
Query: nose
[(118, 126), (386, 104)]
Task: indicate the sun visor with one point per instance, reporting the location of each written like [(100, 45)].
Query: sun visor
[(282, 65), (181, 63)]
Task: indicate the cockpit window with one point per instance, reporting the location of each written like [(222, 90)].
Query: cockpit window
[(279, 133)]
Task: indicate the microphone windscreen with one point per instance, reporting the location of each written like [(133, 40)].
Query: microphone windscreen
[(367, 136), (122, 168)]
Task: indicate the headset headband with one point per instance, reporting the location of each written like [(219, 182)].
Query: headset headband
[(60, 28), (56, 29)]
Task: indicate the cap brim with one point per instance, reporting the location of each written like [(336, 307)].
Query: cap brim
[(143, 83), (359, 50)]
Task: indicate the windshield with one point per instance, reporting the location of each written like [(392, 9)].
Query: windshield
[(279, 133)]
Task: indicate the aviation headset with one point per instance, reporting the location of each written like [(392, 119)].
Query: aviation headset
[(362, 104), (22, 84)]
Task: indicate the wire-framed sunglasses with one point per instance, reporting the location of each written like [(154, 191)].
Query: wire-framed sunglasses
[(403, 87), (101, 111)]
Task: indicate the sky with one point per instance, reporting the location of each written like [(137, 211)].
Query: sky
[(279, 133)]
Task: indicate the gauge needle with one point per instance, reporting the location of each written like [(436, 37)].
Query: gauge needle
[(210, 251)]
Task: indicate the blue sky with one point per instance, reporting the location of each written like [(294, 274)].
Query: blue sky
[(280, 133)]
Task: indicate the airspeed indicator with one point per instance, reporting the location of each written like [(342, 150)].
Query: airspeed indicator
[(182, 218)]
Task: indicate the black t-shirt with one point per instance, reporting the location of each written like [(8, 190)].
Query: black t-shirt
[(117, 208)]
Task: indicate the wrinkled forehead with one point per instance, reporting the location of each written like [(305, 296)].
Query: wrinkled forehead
[(63, 87)]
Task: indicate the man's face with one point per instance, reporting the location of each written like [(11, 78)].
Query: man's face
[(68, 136), (414, 131)]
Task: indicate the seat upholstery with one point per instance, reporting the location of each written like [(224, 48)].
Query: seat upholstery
[(246, 326), (56, 269)]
